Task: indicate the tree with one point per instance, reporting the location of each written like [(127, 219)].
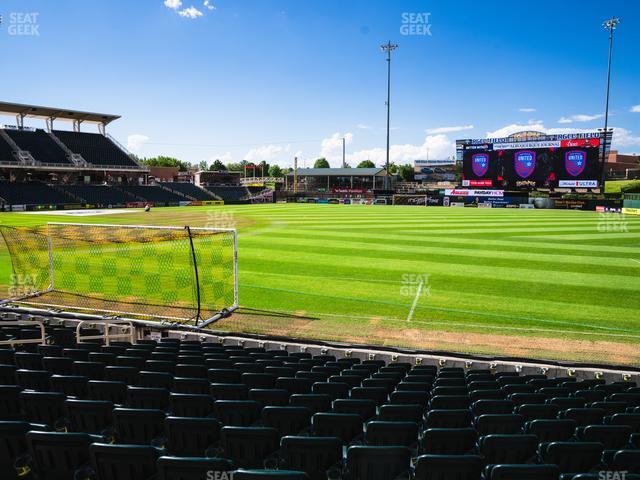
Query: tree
[(393, 168), (202, 165), (217, 166), (321, 163), (275, 171), (262, 168), (406, 173), (366, 164), (162, 161)]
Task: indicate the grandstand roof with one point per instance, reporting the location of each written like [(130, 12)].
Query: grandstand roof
[(55, 112), (339, 172)]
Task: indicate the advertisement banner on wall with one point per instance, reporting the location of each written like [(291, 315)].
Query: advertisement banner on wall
[(466, 192)]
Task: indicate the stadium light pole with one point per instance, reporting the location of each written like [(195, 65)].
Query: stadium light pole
[(610, 25), (388, 47)]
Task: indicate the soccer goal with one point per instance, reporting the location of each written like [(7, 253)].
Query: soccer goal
[(181, 274)]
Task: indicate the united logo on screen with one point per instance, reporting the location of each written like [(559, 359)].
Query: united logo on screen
[(525, 163), (574, 162), (480, 163)]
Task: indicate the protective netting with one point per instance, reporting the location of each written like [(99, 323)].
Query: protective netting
[(135, 271)]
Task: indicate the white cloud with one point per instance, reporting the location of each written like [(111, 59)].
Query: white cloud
[(527, 109), (191, 12), (173, 4), (460, 128), (362, 126), (225, 158), (580, 118), (434, 146), (207, 4), (136, 141), (331, 147), (623, 138), (266, 152), (635, 109)]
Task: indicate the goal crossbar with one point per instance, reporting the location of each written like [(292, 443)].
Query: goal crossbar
[(181, 274)]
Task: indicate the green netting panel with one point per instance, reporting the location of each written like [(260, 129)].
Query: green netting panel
[(134, 271)]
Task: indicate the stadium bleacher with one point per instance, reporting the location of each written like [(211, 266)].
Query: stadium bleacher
[(95, 148), (229, 193), (98, 194), (182, 408), (41, 146), (188, 189), (31, 193), (6, 152), (153, 193)]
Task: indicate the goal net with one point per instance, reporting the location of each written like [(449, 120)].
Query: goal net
[(142, 272)]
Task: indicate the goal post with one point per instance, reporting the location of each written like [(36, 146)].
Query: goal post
[(180, 274)]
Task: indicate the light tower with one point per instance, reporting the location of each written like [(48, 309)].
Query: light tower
[(610, 25), (388, 47)]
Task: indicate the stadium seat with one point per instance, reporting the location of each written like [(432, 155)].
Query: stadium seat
[(522, 472), (123, 462), (150, 398), (345, 426), (43, 407), (229, 391), (190, 405), (408, 397), (382, 433), (448, 441), (237, 412), (312, 455), (508, 448), (400, 413), (377, 463), (572, 457), (482, 407), (287, 420), (110, 391), (90, 416), (156, 380), (499, 424), (13, 447), (181, 468), (191, 436), (316, 402), (611, 436), (37, 380), (448, 467), (70, 385), (551, 430), (248, 446), (531, 411), (10, 402), (630, 419), (58, 456), (138, 426), (269, 396), (626, 460), (364, 407), (243, 474), (334, 389), (584, 416), (448, 419)]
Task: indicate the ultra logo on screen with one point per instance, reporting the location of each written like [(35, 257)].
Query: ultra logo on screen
[(480, 164), (574, 162), (525, 163)]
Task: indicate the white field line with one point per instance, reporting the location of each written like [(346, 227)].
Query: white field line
[(415, 301), (634, 260)]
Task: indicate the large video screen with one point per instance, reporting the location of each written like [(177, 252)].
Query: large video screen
[(524, 165)]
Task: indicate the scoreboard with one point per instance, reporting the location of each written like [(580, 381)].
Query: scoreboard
[(529, 160)]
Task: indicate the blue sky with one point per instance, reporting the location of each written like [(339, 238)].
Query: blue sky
[(271, 79)]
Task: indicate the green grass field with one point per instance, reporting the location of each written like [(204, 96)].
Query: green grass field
[(537, 283)]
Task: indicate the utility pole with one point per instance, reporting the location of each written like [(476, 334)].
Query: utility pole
[(610, 25), (295, 174), (344, 163), (388, 47)]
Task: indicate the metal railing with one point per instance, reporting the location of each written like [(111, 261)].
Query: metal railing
[(128, 331), (20, 341)]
